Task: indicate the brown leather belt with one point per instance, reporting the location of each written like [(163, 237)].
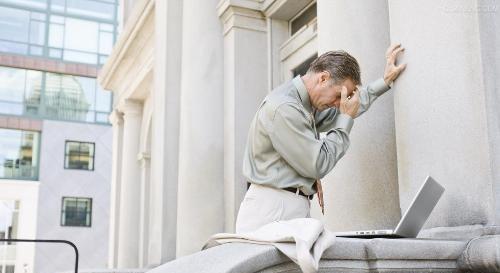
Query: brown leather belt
[(294, 190)]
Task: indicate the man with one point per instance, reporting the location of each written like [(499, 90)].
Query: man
[(285, 158)]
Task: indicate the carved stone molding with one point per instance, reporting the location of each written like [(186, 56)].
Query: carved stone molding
[(130, 107), (143, 158), (241, 14), (116, 118)]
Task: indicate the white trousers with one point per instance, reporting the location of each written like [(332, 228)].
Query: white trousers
[(263, 205)]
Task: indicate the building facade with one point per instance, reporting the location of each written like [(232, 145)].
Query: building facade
[(187, 77), (55, 137)]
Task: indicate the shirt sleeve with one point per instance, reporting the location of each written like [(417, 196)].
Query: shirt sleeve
[(325, 119), (293, 138), (368, 94)]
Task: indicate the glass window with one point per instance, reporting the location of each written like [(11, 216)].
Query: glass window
[(57, 5), (103, 101), (39, 4), (81, 35), (9, 229), (12, 84), (89, 8), (37, 33), (12, 47), (303, 19), (79, 155), (80, 57), (9, 219), (33, 92), (82, 30), (18, 29), (52, 95), (76, 212), (303, 67), (56, 35), (106, 27), (19, 157), (105, 42), (65, 97), (38, 16), (102, 59), (14, 24), (36, 50), (55, 53), (57, 19)]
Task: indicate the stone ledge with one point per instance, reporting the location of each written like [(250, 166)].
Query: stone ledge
[(394, 249), (232, 257), (482, 254), (351, 255), (459, 232)]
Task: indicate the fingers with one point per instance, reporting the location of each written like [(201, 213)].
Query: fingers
[(393, 54), (343, 94), (401, 67), (356, 96), (392, 48), (396, 52)]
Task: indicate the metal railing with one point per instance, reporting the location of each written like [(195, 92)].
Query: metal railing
[(47, 241)]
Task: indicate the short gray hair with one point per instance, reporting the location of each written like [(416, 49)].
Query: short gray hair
[(339, 64)]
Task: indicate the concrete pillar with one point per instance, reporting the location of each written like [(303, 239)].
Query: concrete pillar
[(489, 27), (201, 186), (165, 138), (441, 109), (144, 212), (245, 85), (128, 228), (116, 120), (362, 191)]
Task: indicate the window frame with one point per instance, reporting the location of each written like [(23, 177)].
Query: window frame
[(33, 151), (79, 149), (41, 107), (300, 13), (48, 12), (299, 47), (63, 211)]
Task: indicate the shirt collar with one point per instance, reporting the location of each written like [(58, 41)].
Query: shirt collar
[(303, 95)]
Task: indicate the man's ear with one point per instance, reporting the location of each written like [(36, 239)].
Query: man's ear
[(324, 76)]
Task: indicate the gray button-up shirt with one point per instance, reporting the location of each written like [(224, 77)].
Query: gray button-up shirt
[(283, 148)]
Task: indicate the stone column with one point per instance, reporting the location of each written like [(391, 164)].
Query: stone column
[(144, 213), (362, 191), (443, 105), (165, 138), (128, 228), (245, 85), (201, 181), (489, 27), (116, 120)]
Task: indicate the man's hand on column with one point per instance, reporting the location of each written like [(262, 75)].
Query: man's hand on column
[(392, 70), (349, 106)]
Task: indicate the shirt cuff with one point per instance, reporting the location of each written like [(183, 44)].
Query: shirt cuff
[(379, 87), (343, 121)]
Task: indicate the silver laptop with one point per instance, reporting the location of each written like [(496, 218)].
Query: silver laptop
[(414, 218)]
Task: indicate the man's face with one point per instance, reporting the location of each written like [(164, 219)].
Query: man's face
[(328, 95)]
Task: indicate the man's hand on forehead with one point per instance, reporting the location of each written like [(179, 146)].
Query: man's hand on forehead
[(350, 94)]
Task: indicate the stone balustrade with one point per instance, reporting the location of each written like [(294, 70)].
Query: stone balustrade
[(479, 254)]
